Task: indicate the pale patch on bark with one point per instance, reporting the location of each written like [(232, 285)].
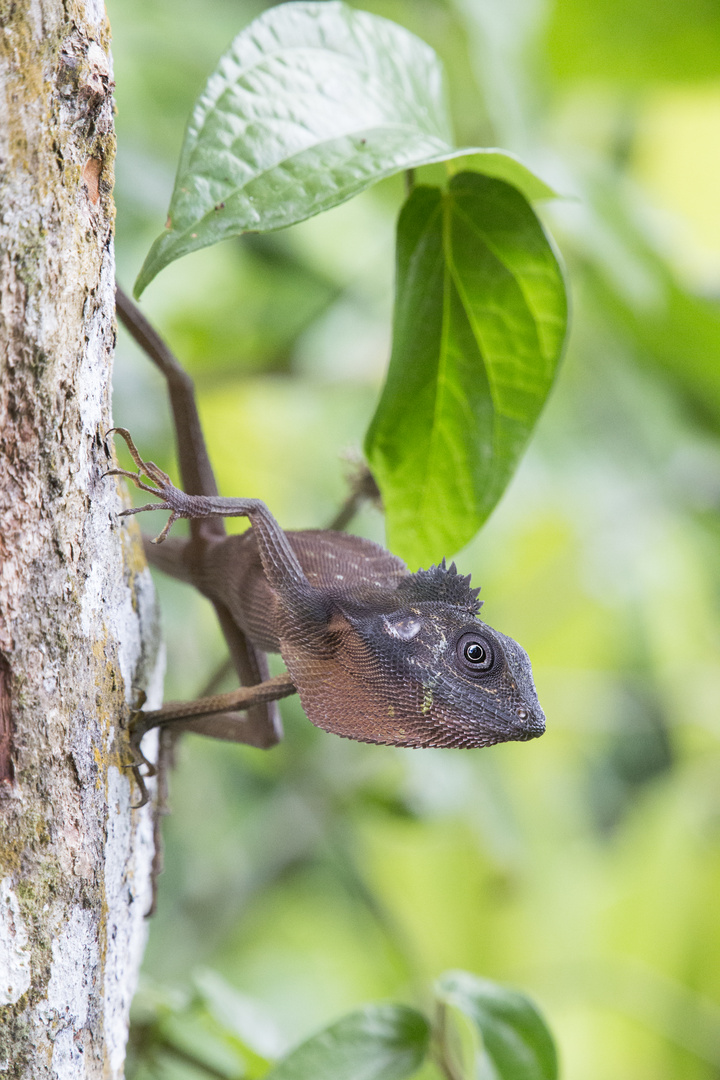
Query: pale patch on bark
[(14, 952), (128, 855), (75, 958), (95, 12)]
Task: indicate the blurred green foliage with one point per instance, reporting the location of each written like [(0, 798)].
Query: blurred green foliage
[(584, 867)]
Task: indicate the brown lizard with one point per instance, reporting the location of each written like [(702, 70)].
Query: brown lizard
[(376, 653)]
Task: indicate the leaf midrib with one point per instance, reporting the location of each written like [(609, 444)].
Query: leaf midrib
[(441, 381)]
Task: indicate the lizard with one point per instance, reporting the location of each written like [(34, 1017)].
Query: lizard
[(377, 653)]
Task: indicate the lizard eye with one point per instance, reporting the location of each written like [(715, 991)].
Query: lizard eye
[(475, 653)]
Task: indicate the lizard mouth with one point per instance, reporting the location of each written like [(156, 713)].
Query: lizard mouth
[(524, 723), (534, 733)]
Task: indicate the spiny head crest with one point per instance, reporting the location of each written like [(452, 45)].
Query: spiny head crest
[(441, 583)]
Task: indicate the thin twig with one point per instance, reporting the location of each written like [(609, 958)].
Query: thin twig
[(363, 488)]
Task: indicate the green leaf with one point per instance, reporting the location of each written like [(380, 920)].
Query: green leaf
[(379, 1042), (313, 103), (480, 320), (517, 1044)]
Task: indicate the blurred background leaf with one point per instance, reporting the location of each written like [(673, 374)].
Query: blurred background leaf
[(585, 866), (515, 1043), (378, 1042)]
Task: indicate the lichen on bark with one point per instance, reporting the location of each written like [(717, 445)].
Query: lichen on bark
[(78, 624)]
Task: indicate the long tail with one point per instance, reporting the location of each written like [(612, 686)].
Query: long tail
[(195, 469)]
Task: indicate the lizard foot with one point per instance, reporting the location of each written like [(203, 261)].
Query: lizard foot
[(137, 730)]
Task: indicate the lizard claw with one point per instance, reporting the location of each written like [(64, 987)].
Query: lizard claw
[(140, 781), (148, 469), (137, 730)]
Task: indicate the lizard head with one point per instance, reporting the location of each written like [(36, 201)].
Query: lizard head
[(415, 666)]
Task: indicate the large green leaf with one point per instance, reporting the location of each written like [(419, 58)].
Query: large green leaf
[(480, 319), (312, 103), (379, 1042), (516, 1042)]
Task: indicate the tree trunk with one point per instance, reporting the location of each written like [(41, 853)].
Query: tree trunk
[(77, 611)]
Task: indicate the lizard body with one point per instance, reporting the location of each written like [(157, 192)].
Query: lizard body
[(377, 654)]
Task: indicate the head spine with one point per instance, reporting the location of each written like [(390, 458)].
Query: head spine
[(441, 583)]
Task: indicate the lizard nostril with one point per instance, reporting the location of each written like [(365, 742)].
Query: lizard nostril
[(522, 713)]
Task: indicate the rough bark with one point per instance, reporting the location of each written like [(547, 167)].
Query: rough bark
[(77, 610)]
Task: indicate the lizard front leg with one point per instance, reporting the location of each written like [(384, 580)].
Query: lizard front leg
[(280, 563), (212, 715)]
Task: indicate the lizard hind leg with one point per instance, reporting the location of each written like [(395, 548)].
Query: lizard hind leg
[(261, 724), (252, 668)]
